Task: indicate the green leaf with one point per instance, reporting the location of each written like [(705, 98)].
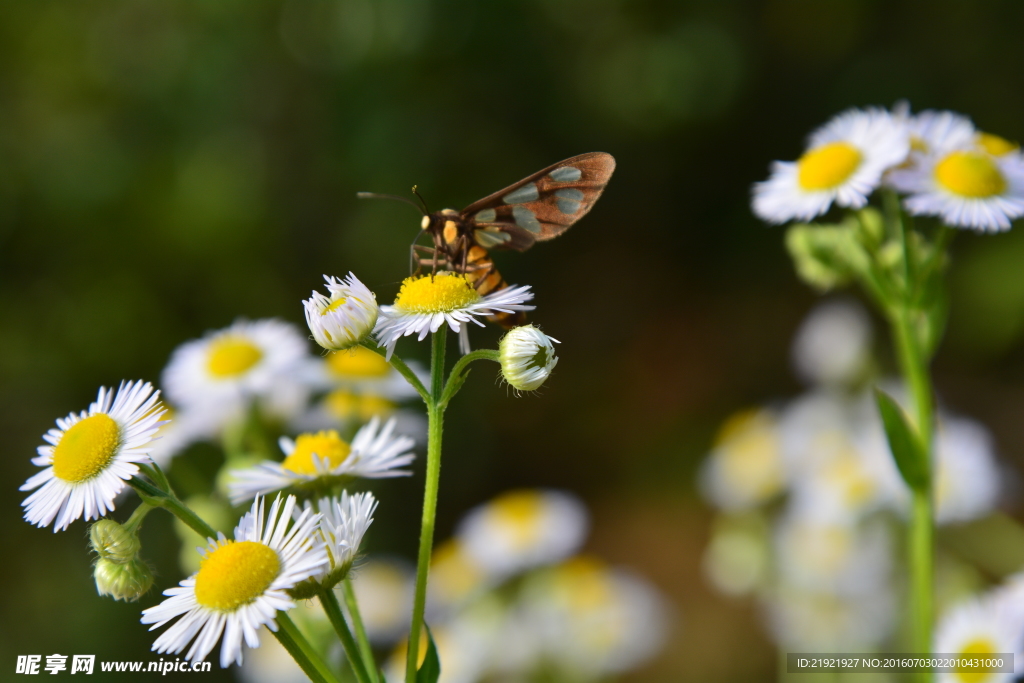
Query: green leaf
[(431, 669), (904, 442)]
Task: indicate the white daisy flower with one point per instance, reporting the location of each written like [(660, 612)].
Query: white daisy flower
[(830, 556), (737, 558), (844, 163), (744, 469), (934, 131), (523, 529), (425, 303), (344, 522), (244, 361), (324, 458), (967, 477), (978, 628), (455, 578), (833, 344), (527, 357), (809, 621), (344, 319), (995, 145), (592, 620), (91, 455), (241, 584), (967, 187), (362, 371)]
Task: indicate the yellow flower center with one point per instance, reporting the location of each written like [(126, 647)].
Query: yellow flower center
[(334, 305), (345, 405), (825, 167), (982, 647), (322, 444), (519, 514), (232, 356), (585, 582), (358, 362), (995, 145), (440, 293), (970, 174), (86, 448), (235, 574)]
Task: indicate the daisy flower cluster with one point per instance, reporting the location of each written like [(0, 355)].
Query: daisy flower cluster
[(303, 430), (339, 421), (811, 501), (938, 160), (511, 596)]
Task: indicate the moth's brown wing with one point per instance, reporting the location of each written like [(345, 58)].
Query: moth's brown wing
[(541, 206)]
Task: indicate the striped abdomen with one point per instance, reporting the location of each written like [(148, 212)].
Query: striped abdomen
[(484, 276)]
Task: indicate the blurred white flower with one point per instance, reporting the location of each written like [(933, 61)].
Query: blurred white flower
[(249, 360), (384, 591), (522, 529), (978, 628), (967, 477), (834, 557), (843, 163), (744, 469), (833, 344), (737, 559), (811, 621), (593, 620)]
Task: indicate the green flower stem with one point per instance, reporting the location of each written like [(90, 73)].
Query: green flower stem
[(167, 500), (302, 651), (455, 378), (922, 524), (903, 314), (398, 364), (357, 624), (135, 521), (435, 419), (333, 609)]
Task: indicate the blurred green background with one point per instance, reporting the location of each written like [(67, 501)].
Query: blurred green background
[(168, 167)]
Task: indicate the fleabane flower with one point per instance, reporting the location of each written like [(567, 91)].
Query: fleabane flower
[(934, 131), (250, 359), (981, 627), (345, 318), (241, 584), (343, 524), (527, 357), (967, 187), (324, 458), (425, 303), (523, 529), (91, 455), (843, 163)]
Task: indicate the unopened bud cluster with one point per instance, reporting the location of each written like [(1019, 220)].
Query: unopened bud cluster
[(119, 571)]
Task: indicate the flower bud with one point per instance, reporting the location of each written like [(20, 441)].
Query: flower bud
[(127, 581), (112, 542), (344, 319), (527, 357)]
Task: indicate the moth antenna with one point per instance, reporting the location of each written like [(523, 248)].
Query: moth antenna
[(422, 201), (375, 195)]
